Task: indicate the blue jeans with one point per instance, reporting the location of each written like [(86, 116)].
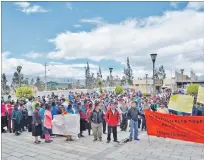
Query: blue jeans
[(133, 126)]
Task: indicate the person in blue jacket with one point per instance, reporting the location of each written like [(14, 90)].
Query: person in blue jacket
[(54, 109), (195, 110)]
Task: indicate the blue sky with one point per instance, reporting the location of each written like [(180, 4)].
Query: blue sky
[(27, 31)]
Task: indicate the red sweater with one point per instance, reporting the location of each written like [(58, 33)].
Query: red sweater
[(112, 119)]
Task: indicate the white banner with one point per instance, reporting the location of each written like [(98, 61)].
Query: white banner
[(68, 124)]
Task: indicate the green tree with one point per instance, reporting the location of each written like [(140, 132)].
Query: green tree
[(25, 82), (32, 81), (119, 90), (5, 89), (24, 92), (193, 89), (100, 84), (128, 73), (39, 84), (160, 73), (17, 77)]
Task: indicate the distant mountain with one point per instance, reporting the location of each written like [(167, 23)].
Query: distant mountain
[(54, 79), (201, 77)]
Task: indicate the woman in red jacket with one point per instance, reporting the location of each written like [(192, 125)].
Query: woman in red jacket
[(112, 117)]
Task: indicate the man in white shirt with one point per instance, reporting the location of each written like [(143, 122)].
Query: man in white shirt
[(29, 108)]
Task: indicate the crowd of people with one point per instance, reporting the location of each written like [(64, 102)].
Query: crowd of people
[(99, 113)]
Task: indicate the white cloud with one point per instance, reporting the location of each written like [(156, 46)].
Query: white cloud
[(170, 35), (96, 20), (77, 25), (195, 5), (69, 6), (33, 55), (28, 8), (174, 4), (55, 69)]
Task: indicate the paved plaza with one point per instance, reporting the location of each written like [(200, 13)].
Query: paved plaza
[(23, 148)]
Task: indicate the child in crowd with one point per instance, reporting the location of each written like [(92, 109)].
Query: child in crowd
[(47, 123), (37, 123), (42, 112)]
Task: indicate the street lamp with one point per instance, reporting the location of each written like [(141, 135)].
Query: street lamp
[(153, 56), (182, 70), (111, 70), (146, 75)]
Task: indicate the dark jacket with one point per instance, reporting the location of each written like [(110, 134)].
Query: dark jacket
[(97, 117), (37, 117), (16, 115), (194, 111), (133, 114)]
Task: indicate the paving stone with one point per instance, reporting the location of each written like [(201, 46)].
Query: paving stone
[(12, 158), (27, 158), (5, 155), (17, 154)]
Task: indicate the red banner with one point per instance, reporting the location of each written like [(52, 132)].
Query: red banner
[(187, 128)]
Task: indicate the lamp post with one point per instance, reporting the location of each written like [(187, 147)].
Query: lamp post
[(182, 70), (153, 56), (146, 75), (111, 70)]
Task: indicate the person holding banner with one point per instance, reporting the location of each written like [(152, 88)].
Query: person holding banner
[(163, 109)]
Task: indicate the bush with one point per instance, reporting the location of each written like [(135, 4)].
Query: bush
[(193, 89), (24, 92), (119, 90), (146, 94)]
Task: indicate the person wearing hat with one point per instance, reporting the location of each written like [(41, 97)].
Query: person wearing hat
[(96, 119), (163, 109), (112, 117)]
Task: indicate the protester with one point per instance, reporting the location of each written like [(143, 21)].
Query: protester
[(37, 123), (9, 113), (64, 112), (24, 117), (88, 113), (104, 109), (70, 109), (16, 118), (133, 113), (30, 114), (54, 109), (82, 120), (42, 112), (3, 117), (162, 109), (112, 117), (144, 107), (124, 120), (96, 119), (47, 123), (200, 111)]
